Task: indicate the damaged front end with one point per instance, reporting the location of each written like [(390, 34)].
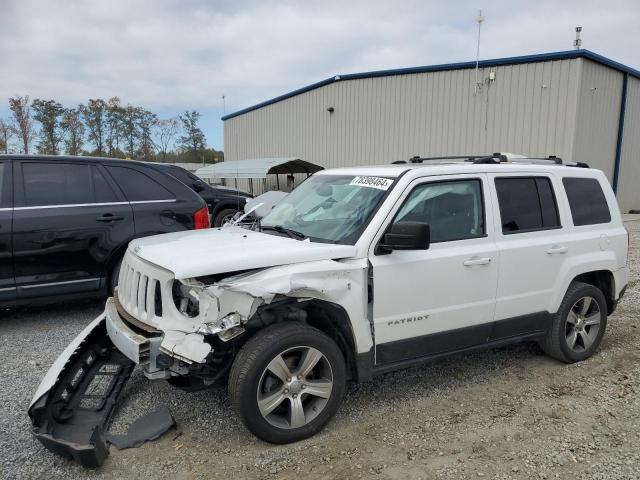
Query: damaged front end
[(73, 406)]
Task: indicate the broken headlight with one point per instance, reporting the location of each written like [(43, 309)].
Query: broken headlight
[(220, 325), (186, 299)]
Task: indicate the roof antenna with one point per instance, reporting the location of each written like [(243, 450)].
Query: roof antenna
[(577, 43), (479, 19)]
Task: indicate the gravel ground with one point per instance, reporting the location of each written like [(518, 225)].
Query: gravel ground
[(502, 414)]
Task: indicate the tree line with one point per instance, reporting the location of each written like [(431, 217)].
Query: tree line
[(103, 128)]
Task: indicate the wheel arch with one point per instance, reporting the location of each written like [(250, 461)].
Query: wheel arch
[(328, 317), (604, 281)]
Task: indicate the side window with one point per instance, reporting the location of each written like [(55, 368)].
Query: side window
[(454, 210), (526, 204), (137, 186), (104, 192), (55, 183), (587, 201)]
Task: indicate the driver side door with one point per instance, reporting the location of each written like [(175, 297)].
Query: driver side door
[(442, 299)]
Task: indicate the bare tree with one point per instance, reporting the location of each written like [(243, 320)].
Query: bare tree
[(146, 121), (48, 113), (5, 135), (164, 134), (23, 125), (73, 131), (94, 115)]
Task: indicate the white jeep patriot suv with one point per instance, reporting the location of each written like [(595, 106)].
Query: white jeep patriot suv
[(357, 272)]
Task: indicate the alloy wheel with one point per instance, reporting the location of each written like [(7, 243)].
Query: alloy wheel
[(583, 324), (295, 387)]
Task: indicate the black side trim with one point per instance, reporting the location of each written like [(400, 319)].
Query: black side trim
[(462, 338), (435, 343), (379, 370), (524, 324)]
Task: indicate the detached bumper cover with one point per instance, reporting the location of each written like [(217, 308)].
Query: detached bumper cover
[(74, 404)]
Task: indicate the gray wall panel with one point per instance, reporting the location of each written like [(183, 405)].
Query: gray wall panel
[(600, 94), (629, 177)]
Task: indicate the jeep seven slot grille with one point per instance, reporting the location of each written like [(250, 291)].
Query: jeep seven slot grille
[(139, 294)]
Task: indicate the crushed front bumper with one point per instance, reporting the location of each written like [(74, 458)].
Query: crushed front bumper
[(75, 401)]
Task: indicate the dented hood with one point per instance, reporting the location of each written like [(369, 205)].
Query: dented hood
[(220, 250)]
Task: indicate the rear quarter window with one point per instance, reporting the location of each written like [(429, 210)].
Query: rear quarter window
[(137, 186), (587, 201)]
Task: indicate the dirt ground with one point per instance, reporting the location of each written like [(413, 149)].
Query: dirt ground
[(508, 413)]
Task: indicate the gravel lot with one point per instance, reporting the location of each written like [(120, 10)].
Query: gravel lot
[(505, 413)]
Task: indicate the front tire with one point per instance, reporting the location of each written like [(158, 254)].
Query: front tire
[(287, 382), (579, 324)]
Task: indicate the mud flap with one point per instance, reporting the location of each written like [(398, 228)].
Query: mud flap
[(72, 409)]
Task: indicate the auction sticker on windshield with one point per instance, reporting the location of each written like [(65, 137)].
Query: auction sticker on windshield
[(380, 183)]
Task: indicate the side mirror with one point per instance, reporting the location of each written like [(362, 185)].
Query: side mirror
[(198, 186), (406, 236)]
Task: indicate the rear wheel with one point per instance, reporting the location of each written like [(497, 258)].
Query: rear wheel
[(578, 326), (223, 216), (287, 382)]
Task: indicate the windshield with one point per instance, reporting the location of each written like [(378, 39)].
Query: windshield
[(329, 208)]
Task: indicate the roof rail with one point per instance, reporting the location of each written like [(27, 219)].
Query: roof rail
[(495, 159)]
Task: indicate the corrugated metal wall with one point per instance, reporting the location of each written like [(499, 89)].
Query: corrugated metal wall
[(599, 97), (568, 108), (528, 108), (629, 176)]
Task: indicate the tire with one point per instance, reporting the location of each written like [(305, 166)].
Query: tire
[(223, 215), (576, 332), (113, 278), (252, 377)]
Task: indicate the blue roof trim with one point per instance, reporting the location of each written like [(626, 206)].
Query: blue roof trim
[(542, 57)]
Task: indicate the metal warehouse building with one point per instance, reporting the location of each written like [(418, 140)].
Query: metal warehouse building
[(577, 105)]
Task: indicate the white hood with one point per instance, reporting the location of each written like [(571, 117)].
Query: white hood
[(219, 250)]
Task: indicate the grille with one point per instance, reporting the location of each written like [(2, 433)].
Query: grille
[(138, 293)]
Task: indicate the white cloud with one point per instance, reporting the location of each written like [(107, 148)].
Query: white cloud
[(186, 54)]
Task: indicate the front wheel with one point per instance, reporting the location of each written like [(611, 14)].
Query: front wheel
[(578, 326), (287, 382)]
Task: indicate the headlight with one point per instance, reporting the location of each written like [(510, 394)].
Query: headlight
[(220, 325)]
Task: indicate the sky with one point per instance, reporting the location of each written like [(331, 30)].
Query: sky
[(172, 55)]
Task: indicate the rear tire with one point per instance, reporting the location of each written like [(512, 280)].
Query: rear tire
[(578, 326), (287, 382), (223, 216)]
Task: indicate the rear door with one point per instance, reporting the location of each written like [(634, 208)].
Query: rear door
[(157, 209), (7, 282), (533, 247), (68, 221)]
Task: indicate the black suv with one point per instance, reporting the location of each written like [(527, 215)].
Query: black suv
[(65, 222), (223, 202)]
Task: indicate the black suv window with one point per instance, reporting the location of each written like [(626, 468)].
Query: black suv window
[(3, 179), (183, 175), (526, 204), (137, 186), (55, 183), (454, 210), (104, 192), (587, 201)]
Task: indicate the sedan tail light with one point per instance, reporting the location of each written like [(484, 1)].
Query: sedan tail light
[(201, 219)]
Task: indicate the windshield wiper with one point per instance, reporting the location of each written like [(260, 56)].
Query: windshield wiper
[(280, 229)]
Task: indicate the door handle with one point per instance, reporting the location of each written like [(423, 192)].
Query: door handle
[(556, 249), (476, 261), (109, 218)]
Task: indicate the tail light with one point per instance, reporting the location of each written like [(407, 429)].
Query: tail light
[(201, 219)]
